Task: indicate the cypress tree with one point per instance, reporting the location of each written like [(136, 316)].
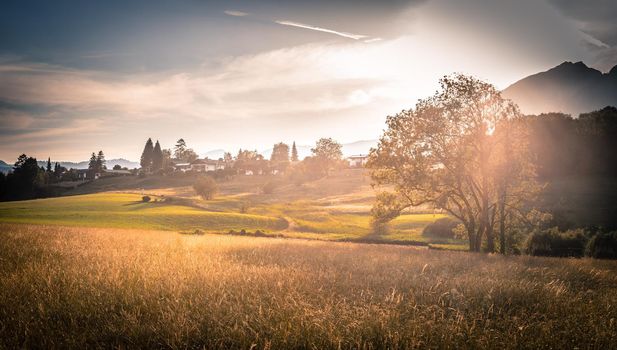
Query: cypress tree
[(157, 157), (294, 153), (146, 156)]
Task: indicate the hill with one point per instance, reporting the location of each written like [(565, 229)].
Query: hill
[(571, 88)]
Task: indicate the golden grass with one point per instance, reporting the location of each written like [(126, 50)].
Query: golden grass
[(86, 287)]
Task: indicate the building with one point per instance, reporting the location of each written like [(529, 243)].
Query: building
[(357, 161), (200, 166), (183, 167)]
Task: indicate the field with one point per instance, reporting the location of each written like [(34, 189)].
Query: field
[(89, 287), (336, 208)]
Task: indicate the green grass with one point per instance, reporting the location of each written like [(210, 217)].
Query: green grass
[(121, 210), (70, 287), (332, 208)]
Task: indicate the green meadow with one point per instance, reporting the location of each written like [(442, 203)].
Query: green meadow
[(335, 208)]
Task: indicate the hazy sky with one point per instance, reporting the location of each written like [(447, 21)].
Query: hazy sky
[(79, 76)]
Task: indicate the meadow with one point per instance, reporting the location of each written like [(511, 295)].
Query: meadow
[(336, 208), (116, 288)]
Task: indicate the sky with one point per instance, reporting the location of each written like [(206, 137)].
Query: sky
[(83, 76)]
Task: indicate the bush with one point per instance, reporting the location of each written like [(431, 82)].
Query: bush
[(269, 187), (602, 246), (551, 242), (206, 187), (145, 199), (441, 228)]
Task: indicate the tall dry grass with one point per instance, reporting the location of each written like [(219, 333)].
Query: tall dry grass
[(74, 287)]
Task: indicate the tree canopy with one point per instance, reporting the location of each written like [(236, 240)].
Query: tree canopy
[(463, 150)]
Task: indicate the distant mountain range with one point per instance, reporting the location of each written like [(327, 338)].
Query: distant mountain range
[(84, 164), (571, 88)]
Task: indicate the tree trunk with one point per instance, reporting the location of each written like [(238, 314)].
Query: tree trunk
[(502, 223)]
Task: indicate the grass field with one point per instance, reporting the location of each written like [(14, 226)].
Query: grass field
[(75, 287), (333, 208)]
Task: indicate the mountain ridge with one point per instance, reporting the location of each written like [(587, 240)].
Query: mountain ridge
[(570, 87)]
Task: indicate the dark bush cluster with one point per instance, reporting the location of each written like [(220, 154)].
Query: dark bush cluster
[(573, 243), (552, 242), (441, 228), (602, 246), (145, 199)]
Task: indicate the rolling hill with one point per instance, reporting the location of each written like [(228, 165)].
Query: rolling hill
[(571, 88)]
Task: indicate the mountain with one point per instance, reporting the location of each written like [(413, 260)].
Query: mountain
[(84, 164), (4, 167), (215, 154), (570, 87)]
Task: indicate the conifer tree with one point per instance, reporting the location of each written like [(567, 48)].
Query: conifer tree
[(157, 157), (146, 156), (100, 162), (294, 152)]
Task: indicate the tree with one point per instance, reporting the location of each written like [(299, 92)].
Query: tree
[(183, 153), (48, 169), (167, 163), (250, 161), (117, 167), (25, 179), (327, 153), (100, 162), (462, 150), (206, 187), (279, 158), (157, 157), (92, 165), (294, 152), (179, 149), (146, 156)]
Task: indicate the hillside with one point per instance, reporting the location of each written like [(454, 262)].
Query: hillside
[(571, 88)]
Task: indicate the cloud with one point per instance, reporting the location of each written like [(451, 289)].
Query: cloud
[(236, 13)]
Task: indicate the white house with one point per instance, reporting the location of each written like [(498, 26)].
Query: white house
[(206, 165), (357, 161)]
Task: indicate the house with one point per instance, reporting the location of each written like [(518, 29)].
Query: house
[(183, 167), (84, 174), (357, 161), (206, 165)]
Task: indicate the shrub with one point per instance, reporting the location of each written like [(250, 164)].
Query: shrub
[(145, 199), (441, 228), (269, 187), (206, 187), (551, 242), (602, 246)]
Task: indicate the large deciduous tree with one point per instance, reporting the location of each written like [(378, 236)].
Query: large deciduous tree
[(327, 154), (463, 150)]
